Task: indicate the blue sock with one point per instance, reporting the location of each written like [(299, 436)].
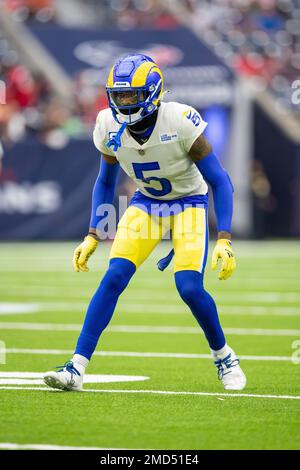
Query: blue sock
[(103, 303), (190, 287)]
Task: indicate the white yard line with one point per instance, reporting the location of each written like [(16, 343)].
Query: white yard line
[(36, 378), (100, 264), (163, 392), (15, 446), (235, 297), (11, 308), (39, 326), (147, 329), (84, 293), (259, 310), (35, 269), (160, 283), (181, 309), (14, 308), (141, 354)]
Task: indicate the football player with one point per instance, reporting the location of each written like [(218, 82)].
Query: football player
[(160, 146)]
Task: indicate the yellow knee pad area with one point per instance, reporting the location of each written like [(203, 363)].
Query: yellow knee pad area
[(189, 239), (138, 233)]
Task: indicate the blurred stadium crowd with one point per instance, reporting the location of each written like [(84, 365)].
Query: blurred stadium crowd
[(27, 10), (256, 38)]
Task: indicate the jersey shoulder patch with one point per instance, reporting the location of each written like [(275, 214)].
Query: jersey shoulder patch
[(183, 114), (192, 115), (188, 122)]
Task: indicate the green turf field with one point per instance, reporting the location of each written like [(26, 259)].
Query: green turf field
[(176, 401)]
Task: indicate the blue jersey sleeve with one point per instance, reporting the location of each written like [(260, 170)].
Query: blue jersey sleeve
[(104, 189), (222, 188)]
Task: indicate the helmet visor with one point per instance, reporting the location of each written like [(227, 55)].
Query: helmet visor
[(125, 98)]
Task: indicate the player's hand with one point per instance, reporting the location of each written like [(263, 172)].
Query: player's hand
[(223, 250), (83, 252)]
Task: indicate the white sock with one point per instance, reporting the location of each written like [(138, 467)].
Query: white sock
[(221, 353), (80, 362)]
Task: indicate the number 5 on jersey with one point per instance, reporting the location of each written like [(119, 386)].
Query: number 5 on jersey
[(141, 168)]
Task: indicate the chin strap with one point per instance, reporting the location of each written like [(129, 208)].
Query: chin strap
[(116, 140)]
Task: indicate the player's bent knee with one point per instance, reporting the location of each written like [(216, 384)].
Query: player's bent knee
[(119, 274), (189, 285), (188, 291)]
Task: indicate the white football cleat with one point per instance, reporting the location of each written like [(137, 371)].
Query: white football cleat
[(230, 372), (67, 378)]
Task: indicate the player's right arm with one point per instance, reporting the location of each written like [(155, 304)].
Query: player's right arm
[(103, 193), (104, 188)]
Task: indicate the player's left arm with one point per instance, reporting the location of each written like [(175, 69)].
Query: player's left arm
[(217, 177)]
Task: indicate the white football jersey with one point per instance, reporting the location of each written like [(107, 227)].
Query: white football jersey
[(161, 167)]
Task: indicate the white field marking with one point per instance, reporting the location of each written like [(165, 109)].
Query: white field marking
[(44, 291), (245, 244), (162, 392), (39, 326), (162, 283), (72, 279), (31, 269), (242, 252), (7, 308), (66, 260), (144, 295), (241, 298), (196, 330), (97, 268), (259, 310), (96, 273), (98, 263), (14, 446), (36, 378), (10, 308), (142, 354), (260, 251), (47, 293), (181, 308), (96, 276), (147, 329)]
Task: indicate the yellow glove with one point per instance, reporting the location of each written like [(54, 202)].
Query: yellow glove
[(83, 252), (223, 250)]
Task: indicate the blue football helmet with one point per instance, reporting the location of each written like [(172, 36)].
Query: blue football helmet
[(134, 88)]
